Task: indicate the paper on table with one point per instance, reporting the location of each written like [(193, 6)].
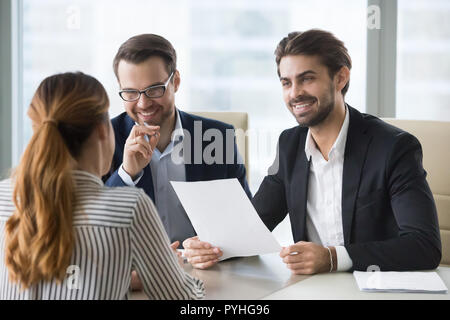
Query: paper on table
[(379, 281), (222, 215)]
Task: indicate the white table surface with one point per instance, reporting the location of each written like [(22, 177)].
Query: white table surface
[(267, 277), (342, 286)]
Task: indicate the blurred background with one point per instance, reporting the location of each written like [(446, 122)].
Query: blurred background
[(226, 57)]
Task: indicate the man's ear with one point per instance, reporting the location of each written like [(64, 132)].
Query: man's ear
[(342, 77), (176, 80)]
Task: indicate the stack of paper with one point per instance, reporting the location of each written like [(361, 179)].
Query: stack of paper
[(223, 216), (378, 281)]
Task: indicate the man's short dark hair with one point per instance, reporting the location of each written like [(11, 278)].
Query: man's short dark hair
[(325, 45), (140, 48)]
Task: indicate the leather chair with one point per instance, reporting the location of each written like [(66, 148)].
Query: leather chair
[(239, 120), (434, 137)]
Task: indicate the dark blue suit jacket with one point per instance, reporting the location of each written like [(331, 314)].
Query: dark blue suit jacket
[(388, 213), (194, 172)]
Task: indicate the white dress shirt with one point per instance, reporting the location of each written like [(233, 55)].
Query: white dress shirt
[(164, 170), (324, 203)]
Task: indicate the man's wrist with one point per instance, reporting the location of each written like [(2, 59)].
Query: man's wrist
[(127, 179), (335, 260), (132, 175), (331, 266)]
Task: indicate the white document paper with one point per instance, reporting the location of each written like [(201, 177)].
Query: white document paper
[(223, 216), (379, 281)]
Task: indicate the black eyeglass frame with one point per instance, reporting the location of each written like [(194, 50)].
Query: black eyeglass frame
[(147, 90)]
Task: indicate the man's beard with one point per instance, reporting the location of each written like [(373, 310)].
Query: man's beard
[(164, 116), (324, 110)]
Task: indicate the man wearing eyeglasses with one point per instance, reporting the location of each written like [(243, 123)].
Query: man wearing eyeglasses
[(148, 133)]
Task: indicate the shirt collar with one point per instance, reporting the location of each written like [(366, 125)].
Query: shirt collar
[(83, 178), (310, 145), (176, 138), (339, 144), (178, 130)]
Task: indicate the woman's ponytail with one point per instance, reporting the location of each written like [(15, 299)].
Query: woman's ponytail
[(39, 234)]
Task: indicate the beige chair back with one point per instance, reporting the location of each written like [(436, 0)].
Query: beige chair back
[(434, 137), (239, 120)]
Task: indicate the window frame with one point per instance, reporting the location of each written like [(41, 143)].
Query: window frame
[(381, 91), (380, 84)]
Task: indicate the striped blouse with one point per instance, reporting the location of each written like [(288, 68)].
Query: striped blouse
[(117, 230)]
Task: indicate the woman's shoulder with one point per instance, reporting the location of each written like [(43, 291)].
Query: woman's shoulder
[(6, 203), (108, 206), (6, 183), (123, 192)]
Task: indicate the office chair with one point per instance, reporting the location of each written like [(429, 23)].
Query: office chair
[(239, 120), (434, 137)]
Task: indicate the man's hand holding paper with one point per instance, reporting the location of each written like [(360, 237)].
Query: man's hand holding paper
[(225, 221), (201, 255)]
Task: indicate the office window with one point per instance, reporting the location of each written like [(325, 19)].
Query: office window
[(423, 72), (225, 52)]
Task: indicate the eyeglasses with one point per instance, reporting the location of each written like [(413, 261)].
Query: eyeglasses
[(151, 92)]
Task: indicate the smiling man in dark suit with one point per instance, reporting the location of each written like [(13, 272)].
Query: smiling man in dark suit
[(353, 186), (156, 142)]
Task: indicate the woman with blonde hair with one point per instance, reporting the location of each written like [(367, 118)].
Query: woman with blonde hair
[(63, 234)]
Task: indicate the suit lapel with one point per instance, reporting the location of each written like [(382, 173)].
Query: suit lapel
[(129, 123), (146, 182), (299, 190), (355, 156), (193, 171)]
